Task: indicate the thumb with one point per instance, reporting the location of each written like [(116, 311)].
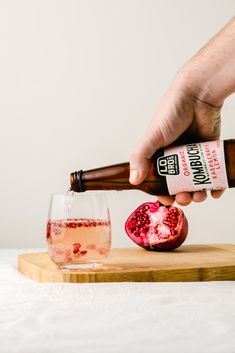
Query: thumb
[(140, 159)]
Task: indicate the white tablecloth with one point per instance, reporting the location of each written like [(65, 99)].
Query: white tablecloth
[(113, 317)]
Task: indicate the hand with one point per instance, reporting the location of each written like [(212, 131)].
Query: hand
[(181, 117), (190, 109)]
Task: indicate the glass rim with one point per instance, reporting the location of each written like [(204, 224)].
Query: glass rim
[(80, 194)]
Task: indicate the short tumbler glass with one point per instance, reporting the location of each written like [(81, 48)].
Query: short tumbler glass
[(79, 230)]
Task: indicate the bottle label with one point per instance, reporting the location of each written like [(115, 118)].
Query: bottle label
[(194, 167)]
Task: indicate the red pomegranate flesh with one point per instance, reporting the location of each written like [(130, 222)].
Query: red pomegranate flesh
[(156, 227)]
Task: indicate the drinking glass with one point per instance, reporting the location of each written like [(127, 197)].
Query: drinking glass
[(79, 230)]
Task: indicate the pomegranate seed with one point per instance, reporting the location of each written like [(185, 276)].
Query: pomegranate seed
[(49, 240), (55, 231), (77, 244), (102, 251), (91, 247), (76, 249), (83, 252), (48, 229)]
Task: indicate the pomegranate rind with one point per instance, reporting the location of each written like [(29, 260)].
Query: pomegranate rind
[(146, 242)]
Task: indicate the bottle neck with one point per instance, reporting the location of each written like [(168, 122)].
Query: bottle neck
[(115, 177), (76, 181)]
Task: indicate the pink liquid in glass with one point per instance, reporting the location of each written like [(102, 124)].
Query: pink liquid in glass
[(78, 241)]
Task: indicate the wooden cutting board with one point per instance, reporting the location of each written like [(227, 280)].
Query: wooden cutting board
[(212, 262)]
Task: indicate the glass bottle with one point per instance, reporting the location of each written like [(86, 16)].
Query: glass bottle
[(191, 167)]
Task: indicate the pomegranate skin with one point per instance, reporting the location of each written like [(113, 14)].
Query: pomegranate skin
[(155, 227)]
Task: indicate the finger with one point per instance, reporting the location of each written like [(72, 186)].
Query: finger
[(138, 169), (183, 198), (217, 193), (166, 200), (140, 158), (199, 196)]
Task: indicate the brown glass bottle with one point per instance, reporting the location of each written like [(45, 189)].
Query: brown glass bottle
[(116, 177)]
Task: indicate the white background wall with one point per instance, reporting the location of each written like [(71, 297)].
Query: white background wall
[(79, 82)]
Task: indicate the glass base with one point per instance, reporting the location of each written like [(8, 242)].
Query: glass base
[(89, 266)]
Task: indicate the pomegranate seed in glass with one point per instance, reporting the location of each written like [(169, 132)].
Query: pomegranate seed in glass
[(78, 230)]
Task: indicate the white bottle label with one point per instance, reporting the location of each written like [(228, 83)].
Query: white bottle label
[(194, 167)]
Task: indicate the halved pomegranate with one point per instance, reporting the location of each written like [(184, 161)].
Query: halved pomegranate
[(156, 227)]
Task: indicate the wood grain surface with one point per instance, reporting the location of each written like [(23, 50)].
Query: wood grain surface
[(211, 262)]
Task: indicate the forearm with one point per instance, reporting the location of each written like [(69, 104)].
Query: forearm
[(210, 74)]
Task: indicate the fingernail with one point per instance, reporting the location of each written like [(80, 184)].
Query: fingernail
[(134, 175)]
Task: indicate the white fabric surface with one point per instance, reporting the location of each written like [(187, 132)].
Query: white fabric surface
[(113, 317)]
